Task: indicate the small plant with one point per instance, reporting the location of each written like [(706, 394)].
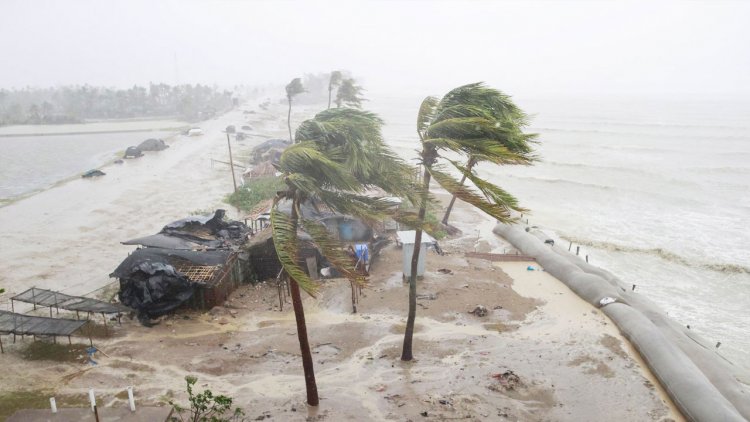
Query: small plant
[(206, 407), (255, 191)]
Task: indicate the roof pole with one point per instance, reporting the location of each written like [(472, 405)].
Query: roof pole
[(231, 163)]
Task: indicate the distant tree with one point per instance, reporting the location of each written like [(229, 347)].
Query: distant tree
[(293, 89), (34, 117), (349, 94), (455, 125), (334, 82)]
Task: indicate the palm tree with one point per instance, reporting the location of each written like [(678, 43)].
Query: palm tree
[(293, 89), (479, 101), (338, 155), (464, 122), (349, 94), (334, 81)]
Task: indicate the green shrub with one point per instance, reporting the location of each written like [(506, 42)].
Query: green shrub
[(254, 191)]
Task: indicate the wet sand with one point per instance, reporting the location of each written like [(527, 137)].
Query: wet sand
[(570, 361)]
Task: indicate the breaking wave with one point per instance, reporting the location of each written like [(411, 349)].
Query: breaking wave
[(728, 268)]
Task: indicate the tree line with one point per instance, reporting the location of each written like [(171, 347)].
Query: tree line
[(75, 104)]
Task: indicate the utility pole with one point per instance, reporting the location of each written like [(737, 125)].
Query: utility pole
[(231, 163)]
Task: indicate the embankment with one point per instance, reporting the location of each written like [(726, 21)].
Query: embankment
[(703, 385)]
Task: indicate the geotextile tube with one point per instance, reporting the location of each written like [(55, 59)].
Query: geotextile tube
[(701, 383)]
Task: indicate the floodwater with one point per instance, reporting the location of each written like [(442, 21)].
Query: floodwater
[(37, 157)]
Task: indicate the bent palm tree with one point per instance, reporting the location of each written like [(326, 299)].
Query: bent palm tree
[(462, 125), (338, 155), (293, 89), (476, 100)]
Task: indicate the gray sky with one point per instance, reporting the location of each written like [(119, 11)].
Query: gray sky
[(528, 48)]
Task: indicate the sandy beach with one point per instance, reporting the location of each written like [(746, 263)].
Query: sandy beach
[(570, 361)]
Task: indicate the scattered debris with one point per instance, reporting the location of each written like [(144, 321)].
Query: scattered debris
[(444, 271), (152, 144), (133, 152), (479, 311), (427, 296), (508, 380), (93, 173)]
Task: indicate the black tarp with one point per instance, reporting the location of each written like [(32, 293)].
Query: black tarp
[(150, 284), (196, 232)]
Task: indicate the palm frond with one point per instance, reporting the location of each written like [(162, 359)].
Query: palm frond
[(332, 250), (426, 114), (500, 212), (492, 192), (286, 242)]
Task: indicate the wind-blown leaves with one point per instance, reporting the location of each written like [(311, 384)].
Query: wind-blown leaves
[(332, 250), (286, 242), (426, 114), (499, 211)]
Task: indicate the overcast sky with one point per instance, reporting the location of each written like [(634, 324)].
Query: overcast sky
[(528, 48)]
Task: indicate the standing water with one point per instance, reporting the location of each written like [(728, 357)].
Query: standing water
[(655, 191)]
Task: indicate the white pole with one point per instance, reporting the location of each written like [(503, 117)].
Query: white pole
[(92, 399), (52, 404), (131, 400)]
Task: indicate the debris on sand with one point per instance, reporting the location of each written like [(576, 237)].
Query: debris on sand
[(508, 380), (93, 173), (444, 271), (479, 311)]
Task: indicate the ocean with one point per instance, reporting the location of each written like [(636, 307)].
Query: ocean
[(653, 190)]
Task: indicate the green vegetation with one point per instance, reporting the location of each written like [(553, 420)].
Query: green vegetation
[(72, 104), (254, 191), (205, 406), (478, 123), (12, 401)]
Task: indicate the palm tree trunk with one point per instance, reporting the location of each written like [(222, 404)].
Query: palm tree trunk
[(329, 96), (289, 120), (406, 353), (304, 344), (447, 215)]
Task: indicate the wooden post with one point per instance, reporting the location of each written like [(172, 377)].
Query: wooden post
[(587, 259), (231, 163), (1, 344), (33, 297), (578, 249), (12, 306), (570, 246)]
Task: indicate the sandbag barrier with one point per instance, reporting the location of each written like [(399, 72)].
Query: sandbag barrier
[(701, 383)]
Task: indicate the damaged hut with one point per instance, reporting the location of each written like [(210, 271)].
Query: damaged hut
[(197, 261)]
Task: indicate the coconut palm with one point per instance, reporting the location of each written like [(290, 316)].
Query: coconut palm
[(333, 82), (338, 155), (475, 100), (464, 122), (293, 89), (349, 94)]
